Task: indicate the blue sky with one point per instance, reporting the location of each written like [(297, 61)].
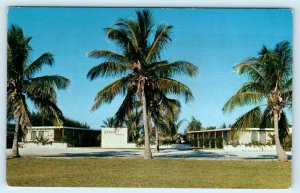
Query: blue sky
[(213, 39)]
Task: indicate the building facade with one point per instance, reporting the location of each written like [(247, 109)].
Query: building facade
[(218, 138), (115, 138), (71, 136)]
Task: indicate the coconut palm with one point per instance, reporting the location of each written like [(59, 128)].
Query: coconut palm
[(22, 84), (109, 122), (270, 80), (139, 65), (133, 122), (165, 116)]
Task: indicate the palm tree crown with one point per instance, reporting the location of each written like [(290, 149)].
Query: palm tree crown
[(270, 79), (22, 83), (144, 75)]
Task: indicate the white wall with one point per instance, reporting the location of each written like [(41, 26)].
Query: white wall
[(245, 136), (48, 133), (260, 148), (115, 138)]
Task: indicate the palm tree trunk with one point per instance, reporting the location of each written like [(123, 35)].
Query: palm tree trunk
[(279, 150), (147, 149), (15, 147)]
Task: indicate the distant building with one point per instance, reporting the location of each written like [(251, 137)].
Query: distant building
[(227, 136), (62, 135)]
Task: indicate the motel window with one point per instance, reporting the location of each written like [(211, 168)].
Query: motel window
[(254, 136), (33, 135), (263, 138), (41, 134)]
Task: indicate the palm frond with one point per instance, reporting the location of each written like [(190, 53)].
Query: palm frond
[(39, 89), (127, 105), (44, 59), (288, 84), (109, 55), (242, 99), (18, 52), (109, 122), (257, 87), (266, 119), (44, 86), (161, 39), (251, 68), (287, 93), (176, 68), (284, 53), (107, 69), (171, 86), (249, 119), (119, 36), (108, 93), (19, 109), (57, 81), (145, 23), (49, 109), (283, 126)]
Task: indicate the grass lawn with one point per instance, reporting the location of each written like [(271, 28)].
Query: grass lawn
[(134, 172)]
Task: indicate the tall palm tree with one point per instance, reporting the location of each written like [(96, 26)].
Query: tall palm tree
[(22, 85), (270, 80), (139, 64)]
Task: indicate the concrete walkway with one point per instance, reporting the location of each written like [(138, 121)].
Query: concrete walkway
[(138, 153)]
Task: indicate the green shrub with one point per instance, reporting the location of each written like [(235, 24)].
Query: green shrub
[(201, 142), (194, 142), (219, 142), (287, 143), (212, 142), (206, 142)]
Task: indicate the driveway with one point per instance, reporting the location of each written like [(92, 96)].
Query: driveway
[(138, 153)]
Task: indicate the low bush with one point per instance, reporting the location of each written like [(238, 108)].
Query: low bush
[(206, 142), (219, 142), (212, 142), (201, 141)]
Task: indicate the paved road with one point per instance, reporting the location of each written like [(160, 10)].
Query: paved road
[(132, 153)]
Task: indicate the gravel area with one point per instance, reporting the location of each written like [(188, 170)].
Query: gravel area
[(132, 153)]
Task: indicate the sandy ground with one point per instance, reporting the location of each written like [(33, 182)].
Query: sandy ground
[(132, 153)]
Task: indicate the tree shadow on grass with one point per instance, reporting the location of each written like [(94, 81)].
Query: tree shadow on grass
[(266, 157), (97, 154), (193, 154), (218, 155)]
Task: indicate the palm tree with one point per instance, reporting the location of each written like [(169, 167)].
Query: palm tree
[(109, 122), (133, 122), (143, 73), (165, 116), (22, 85), (270, 80), (194, 125)]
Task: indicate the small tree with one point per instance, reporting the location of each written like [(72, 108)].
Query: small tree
[(223, 126), (194, 125), (211, 128)]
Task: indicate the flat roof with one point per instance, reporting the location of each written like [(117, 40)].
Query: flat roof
[(229, 129), (60, 127)]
